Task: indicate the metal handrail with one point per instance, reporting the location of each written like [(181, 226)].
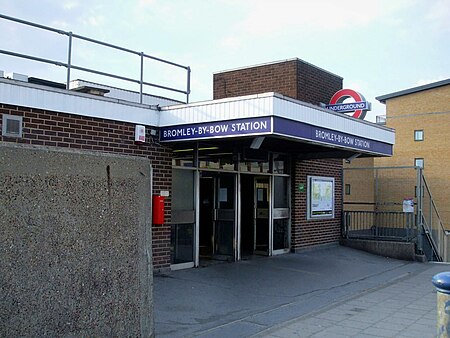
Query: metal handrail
[(427, 219), (385, 225), (432, 202), (440, 254), (70, 66), (432, 242), (383, 167)]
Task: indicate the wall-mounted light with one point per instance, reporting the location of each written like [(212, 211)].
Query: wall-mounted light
[(351, 158), (256, 143)]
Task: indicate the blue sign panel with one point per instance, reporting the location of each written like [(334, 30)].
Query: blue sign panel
[(281, 126), (334, 137), (241, 127), (348, 107)]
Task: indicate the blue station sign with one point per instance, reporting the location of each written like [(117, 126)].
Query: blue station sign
[(306, 131), (276, 126), (242, 127)]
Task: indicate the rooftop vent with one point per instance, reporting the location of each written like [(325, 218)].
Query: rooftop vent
[(91, 90), (381, 120), (88, 87), (47, 83), (16, 76)]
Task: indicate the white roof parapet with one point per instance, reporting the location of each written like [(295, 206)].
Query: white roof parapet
[(274, 105), (67, 101), (123, 94)]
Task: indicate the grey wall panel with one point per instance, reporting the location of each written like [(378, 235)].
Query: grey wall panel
[(75, 244)]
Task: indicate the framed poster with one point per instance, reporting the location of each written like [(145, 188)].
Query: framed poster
[(320, 203)]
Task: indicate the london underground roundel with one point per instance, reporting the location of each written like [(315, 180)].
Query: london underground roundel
[(358, 108)]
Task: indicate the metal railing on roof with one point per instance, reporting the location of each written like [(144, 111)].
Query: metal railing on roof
[(69, 65)]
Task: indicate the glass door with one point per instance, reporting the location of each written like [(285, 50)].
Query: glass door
[(183, 218), (280, 215), (262, 215), (224, 217)]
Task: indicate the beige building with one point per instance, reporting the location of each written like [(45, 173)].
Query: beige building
[(421, 119)]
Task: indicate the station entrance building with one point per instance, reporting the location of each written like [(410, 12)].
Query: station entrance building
[(258, 170), (255, 171)]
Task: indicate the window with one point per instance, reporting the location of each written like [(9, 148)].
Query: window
[(12, 125), (418, 135), (418, 162), (347, 189), (280, 164)]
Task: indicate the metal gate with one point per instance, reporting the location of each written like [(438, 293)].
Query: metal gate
[(392, 204)]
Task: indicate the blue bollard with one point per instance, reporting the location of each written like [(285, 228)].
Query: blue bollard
[(442, 283)]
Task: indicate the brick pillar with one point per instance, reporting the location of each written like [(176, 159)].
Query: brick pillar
[(305, 232)]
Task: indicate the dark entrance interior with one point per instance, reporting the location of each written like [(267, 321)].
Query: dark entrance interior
[(206, 212), (255, 204), (217, 216), (247, 215)]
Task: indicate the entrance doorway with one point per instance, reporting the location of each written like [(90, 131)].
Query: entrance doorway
[(228, 206), (217, 216), (255, 215)]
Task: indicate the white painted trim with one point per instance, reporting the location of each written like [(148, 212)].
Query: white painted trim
[(181, 266), (65, 101)]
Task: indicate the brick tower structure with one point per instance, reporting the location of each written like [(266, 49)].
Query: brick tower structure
[(294, 78)]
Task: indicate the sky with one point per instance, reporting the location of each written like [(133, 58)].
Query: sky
[(378, 47)]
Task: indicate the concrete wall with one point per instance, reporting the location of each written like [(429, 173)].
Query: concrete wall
[(397, 250), (75, 243)]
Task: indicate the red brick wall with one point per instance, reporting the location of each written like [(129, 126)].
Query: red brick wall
[(315, 85), (71, 131), (305, 233), (294, 78), (277, 77)]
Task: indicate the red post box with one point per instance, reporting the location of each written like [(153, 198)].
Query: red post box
[(158, 210)]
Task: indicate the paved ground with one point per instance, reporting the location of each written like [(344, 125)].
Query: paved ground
[(386, 311), (333, 292)]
